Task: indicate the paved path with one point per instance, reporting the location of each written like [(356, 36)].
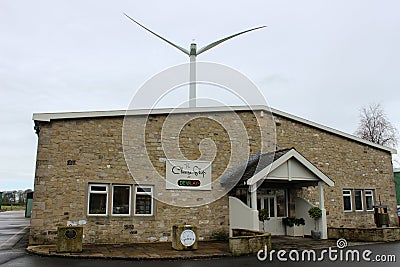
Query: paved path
[(13, 227), (246, 261), (138, 251), (14, 234), (164, 250)]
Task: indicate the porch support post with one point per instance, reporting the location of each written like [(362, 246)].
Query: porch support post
[(322, 222), (253, 192)]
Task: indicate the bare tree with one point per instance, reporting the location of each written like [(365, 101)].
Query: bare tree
[(374, 126)]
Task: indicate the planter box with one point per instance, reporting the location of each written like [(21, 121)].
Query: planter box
[(295, 230), (245, 242)]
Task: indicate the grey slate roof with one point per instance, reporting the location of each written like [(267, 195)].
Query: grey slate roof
[(254, 165)]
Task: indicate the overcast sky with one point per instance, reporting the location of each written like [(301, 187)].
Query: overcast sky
[(320, 60)]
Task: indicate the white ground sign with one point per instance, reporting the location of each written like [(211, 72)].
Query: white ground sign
[(188, 174)]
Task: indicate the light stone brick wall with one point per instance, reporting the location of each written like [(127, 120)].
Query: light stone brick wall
[(351, 165), (61, 189)]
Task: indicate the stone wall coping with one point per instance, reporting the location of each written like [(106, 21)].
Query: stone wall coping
[(47, 117), (253, 234), (365, 228)]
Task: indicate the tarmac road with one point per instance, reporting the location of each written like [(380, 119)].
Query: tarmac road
[(14, 239), (31, 260), (14, 233)]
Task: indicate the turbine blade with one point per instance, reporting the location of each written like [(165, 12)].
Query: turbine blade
[(208, 47), (162, 38)]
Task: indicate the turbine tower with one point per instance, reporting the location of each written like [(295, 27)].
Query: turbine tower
[(193, 53)]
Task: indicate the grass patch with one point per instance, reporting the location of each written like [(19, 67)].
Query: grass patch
[(13, 207)]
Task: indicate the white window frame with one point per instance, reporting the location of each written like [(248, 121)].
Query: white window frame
[(129, 203), (90, 191), (369, 192), (349, 194), (362, 199), (151, 194)]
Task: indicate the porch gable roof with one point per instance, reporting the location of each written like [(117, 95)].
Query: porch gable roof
[(286, 157)]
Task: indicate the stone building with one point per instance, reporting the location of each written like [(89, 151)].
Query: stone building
[(93, 168)]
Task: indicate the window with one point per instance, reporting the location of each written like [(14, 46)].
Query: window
[(271, 207), (363, 199), (358, 200), (369, 199), (347, 200), (144, 200), (121, 199), (281, 203), (98, 199)]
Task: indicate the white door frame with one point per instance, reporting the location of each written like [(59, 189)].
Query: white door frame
[(274, 225)]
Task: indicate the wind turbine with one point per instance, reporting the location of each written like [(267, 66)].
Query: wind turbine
[(193, 53)]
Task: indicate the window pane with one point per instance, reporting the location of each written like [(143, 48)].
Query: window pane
[(121, 196), (347, 202), (98, 188), (143, 204), (143, 189), (258, 204), (280, 203), (266, 205), (358, 199), (272, 207), (97, 203), (369, 200)]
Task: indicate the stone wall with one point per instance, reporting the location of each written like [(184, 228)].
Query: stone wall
[(245, 242), (365, 234), (94, 148), (350, 164)]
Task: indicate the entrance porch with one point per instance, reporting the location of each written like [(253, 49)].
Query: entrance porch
[(274, 182)]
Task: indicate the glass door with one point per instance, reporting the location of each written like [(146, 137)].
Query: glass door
[(275, 202), (268, 203)]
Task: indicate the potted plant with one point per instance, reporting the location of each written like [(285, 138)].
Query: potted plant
[(294, 226), (263, 215), (315, 213)]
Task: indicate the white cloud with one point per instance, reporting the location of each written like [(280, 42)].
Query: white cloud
[(317, 59)]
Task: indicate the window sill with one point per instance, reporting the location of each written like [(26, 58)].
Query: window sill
[(357, 211)]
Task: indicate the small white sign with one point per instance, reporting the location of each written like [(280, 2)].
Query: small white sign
[(188, 237), (188, 174)]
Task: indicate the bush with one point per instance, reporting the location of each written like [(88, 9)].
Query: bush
[(315, 213), (263, 215), (292, 221)]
